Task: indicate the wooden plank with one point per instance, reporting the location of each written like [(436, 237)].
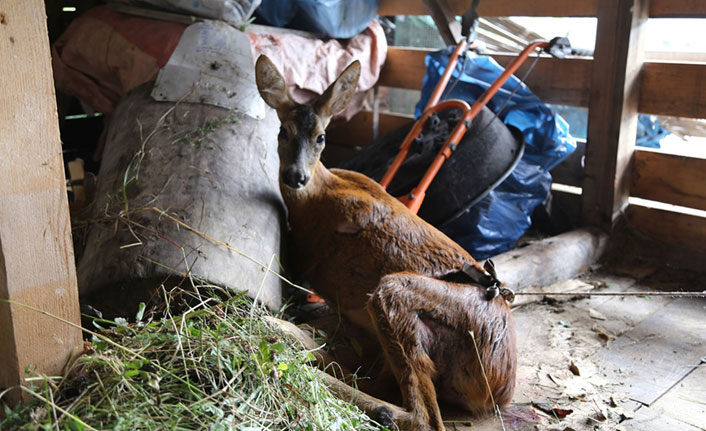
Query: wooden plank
[(656, 354), (562, 257), (443, 16), (686, 401), (675, 89), (36, 253), (678, 9), (658, 9), (404, 68), (557, 81), (496, 7), (564, 82), (648, 419), (669, 178), (682, 230), (358, 132), (612, 114)]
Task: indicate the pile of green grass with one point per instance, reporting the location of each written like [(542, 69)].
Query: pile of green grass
[(219, 367)]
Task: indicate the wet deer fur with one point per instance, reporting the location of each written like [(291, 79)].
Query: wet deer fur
[(387, 270)]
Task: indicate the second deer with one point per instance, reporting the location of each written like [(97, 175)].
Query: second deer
[(388, 271)]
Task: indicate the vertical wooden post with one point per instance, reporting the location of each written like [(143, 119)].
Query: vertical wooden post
[(612, 112), (36, 253)]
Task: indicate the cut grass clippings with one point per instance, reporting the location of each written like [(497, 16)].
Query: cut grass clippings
[(221, 367)]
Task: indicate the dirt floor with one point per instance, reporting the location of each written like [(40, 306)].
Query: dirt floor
[(611, 363)]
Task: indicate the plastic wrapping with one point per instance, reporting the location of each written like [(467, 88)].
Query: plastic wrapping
[(234, 12), (495, 223), (339, 19)]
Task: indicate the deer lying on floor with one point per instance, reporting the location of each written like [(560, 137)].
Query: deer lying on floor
[(388, 271)]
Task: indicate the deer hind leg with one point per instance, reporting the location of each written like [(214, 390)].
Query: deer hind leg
[(394, 314), (423, 326)]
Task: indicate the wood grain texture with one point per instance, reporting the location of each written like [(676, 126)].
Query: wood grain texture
[(557, 81), (685, 401), (496, 7), (682, 230), (678, 9), (578, 8), (36, 252), (648, 360), (358, 132), (613, 107), (669, 178), (552, 259), (675, 89)]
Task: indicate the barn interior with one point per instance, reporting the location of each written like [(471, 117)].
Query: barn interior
[(140, 168)]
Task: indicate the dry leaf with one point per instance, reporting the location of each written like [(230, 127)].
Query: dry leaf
[(552, 411), (574, 369)]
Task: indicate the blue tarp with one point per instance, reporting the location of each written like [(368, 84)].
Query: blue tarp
[(339, 19), (494, 225)]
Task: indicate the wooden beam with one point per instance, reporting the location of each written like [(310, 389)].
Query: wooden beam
[(560, 81), (612, 113), (562, 257), (496, 7), (577, 8), (443, 16), (36, 253), (681, 230), (678, 9), (557, 81), (668, 178), (358, 132), (674, 89)]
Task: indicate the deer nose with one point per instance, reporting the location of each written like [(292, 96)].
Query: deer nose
[(295, 178)]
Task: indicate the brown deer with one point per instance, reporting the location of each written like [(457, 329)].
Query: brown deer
[(388, 271)]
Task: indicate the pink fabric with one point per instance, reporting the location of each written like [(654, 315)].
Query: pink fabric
[(310, 65), (104, 54)]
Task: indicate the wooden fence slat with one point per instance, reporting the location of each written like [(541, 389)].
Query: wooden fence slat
[(612, 113), (358, 132), (564, 82), (36, 253), (576, 8), (404, 68), (674, 89), (683, 230), (678, 9), (496, 7), (668, 178)]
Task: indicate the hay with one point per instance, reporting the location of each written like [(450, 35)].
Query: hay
[(217, 366)]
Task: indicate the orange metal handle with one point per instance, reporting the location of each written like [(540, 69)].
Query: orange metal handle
[(414, 199)]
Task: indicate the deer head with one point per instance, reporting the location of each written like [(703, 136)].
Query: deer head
[(302, 133)]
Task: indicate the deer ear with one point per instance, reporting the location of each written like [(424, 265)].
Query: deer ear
[(339, 94), (271, 84)]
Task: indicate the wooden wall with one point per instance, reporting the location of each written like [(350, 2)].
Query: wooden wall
[(36, 253), (615, 85)]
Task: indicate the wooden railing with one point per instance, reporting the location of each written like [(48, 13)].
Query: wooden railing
[(662, 88)]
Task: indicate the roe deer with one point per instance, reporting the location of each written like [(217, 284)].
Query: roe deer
[(388, 271)]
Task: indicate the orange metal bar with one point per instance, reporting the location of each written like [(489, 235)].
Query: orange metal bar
[(446, 76), (413, 201), (412, 135)]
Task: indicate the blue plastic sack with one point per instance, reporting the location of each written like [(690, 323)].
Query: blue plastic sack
[(339, 19), (649, 131), (494, 225)]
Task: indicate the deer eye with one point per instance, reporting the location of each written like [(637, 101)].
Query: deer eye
[(282, 134), (321, 139)]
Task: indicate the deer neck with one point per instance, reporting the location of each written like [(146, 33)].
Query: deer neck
[(321, 178)]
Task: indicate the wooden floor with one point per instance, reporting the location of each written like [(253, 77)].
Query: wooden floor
[(639, 363)]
